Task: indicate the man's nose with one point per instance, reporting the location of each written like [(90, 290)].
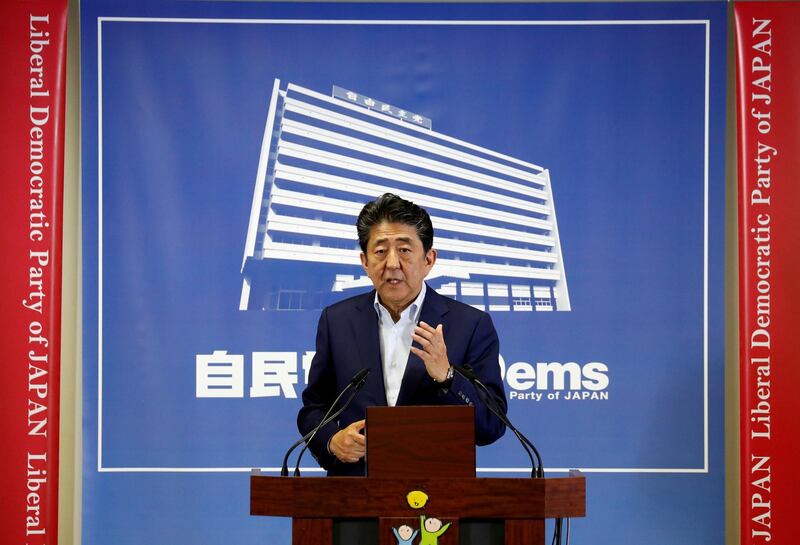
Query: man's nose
[(393, 259)]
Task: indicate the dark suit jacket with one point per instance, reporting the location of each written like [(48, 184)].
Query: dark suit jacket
[(348, 340)]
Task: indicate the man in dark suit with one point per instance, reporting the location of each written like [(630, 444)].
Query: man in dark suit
[(409, 335)]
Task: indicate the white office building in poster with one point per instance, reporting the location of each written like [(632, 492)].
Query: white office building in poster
[(323, 157)]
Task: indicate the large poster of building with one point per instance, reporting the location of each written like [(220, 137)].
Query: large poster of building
[(324, 156), (571, 158)]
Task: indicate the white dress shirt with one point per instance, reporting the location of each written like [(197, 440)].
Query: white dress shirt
[(396, 343)]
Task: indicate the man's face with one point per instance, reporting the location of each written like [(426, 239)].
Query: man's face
[(397, 264)]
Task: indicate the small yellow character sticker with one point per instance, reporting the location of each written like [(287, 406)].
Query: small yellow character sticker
[(417, 499)]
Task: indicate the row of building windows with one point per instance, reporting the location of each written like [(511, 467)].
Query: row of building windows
[(297, 299)]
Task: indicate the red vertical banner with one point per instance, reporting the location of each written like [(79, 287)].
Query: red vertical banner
[(768, 97), (32, 88)]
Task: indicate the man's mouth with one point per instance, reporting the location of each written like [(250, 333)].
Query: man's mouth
[(393, 281)]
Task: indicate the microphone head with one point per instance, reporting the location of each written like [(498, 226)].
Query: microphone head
[(466, 372), (361, 376)]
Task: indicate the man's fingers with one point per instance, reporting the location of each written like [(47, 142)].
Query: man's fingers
[(354, 448), (427, 332), (355, 453), (421, 354), (423, 341), (359, 424), (420, 336), (424, 330), (348, 445), (355, 432), (355, 440), (426, 327), (351, 453)]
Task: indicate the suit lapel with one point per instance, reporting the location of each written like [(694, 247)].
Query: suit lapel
[(432, 313), (365, 331)]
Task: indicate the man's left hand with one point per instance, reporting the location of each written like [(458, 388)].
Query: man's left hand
[(432, 351)]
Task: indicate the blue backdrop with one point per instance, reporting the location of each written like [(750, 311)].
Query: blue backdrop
[(624, 104)]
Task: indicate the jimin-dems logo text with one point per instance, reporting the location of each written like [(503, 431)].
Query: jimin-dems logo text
[(556, 381), (285, 374)]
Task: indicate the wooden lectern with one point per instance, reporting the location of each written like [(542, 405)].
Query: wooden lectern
[(426, 449)]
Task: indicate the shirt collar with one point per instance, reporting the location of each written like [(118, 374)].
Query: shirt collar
[(411, 312)]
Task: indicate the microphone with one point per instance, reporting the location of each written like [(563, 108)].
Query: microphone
[(357, 382), (466, 372), (360, 378), (537, 469)]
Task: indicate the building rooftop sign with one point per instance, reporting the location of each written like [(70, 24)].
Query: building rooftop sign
[(378, 106)]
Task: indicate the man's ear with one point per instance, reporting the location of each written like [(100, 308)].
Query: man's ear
[(430, 258), (363, 260)]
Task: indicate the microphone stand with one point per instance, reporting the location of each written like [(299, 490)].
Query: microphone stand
[(315, 430), (537, 468), (358, 382)]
